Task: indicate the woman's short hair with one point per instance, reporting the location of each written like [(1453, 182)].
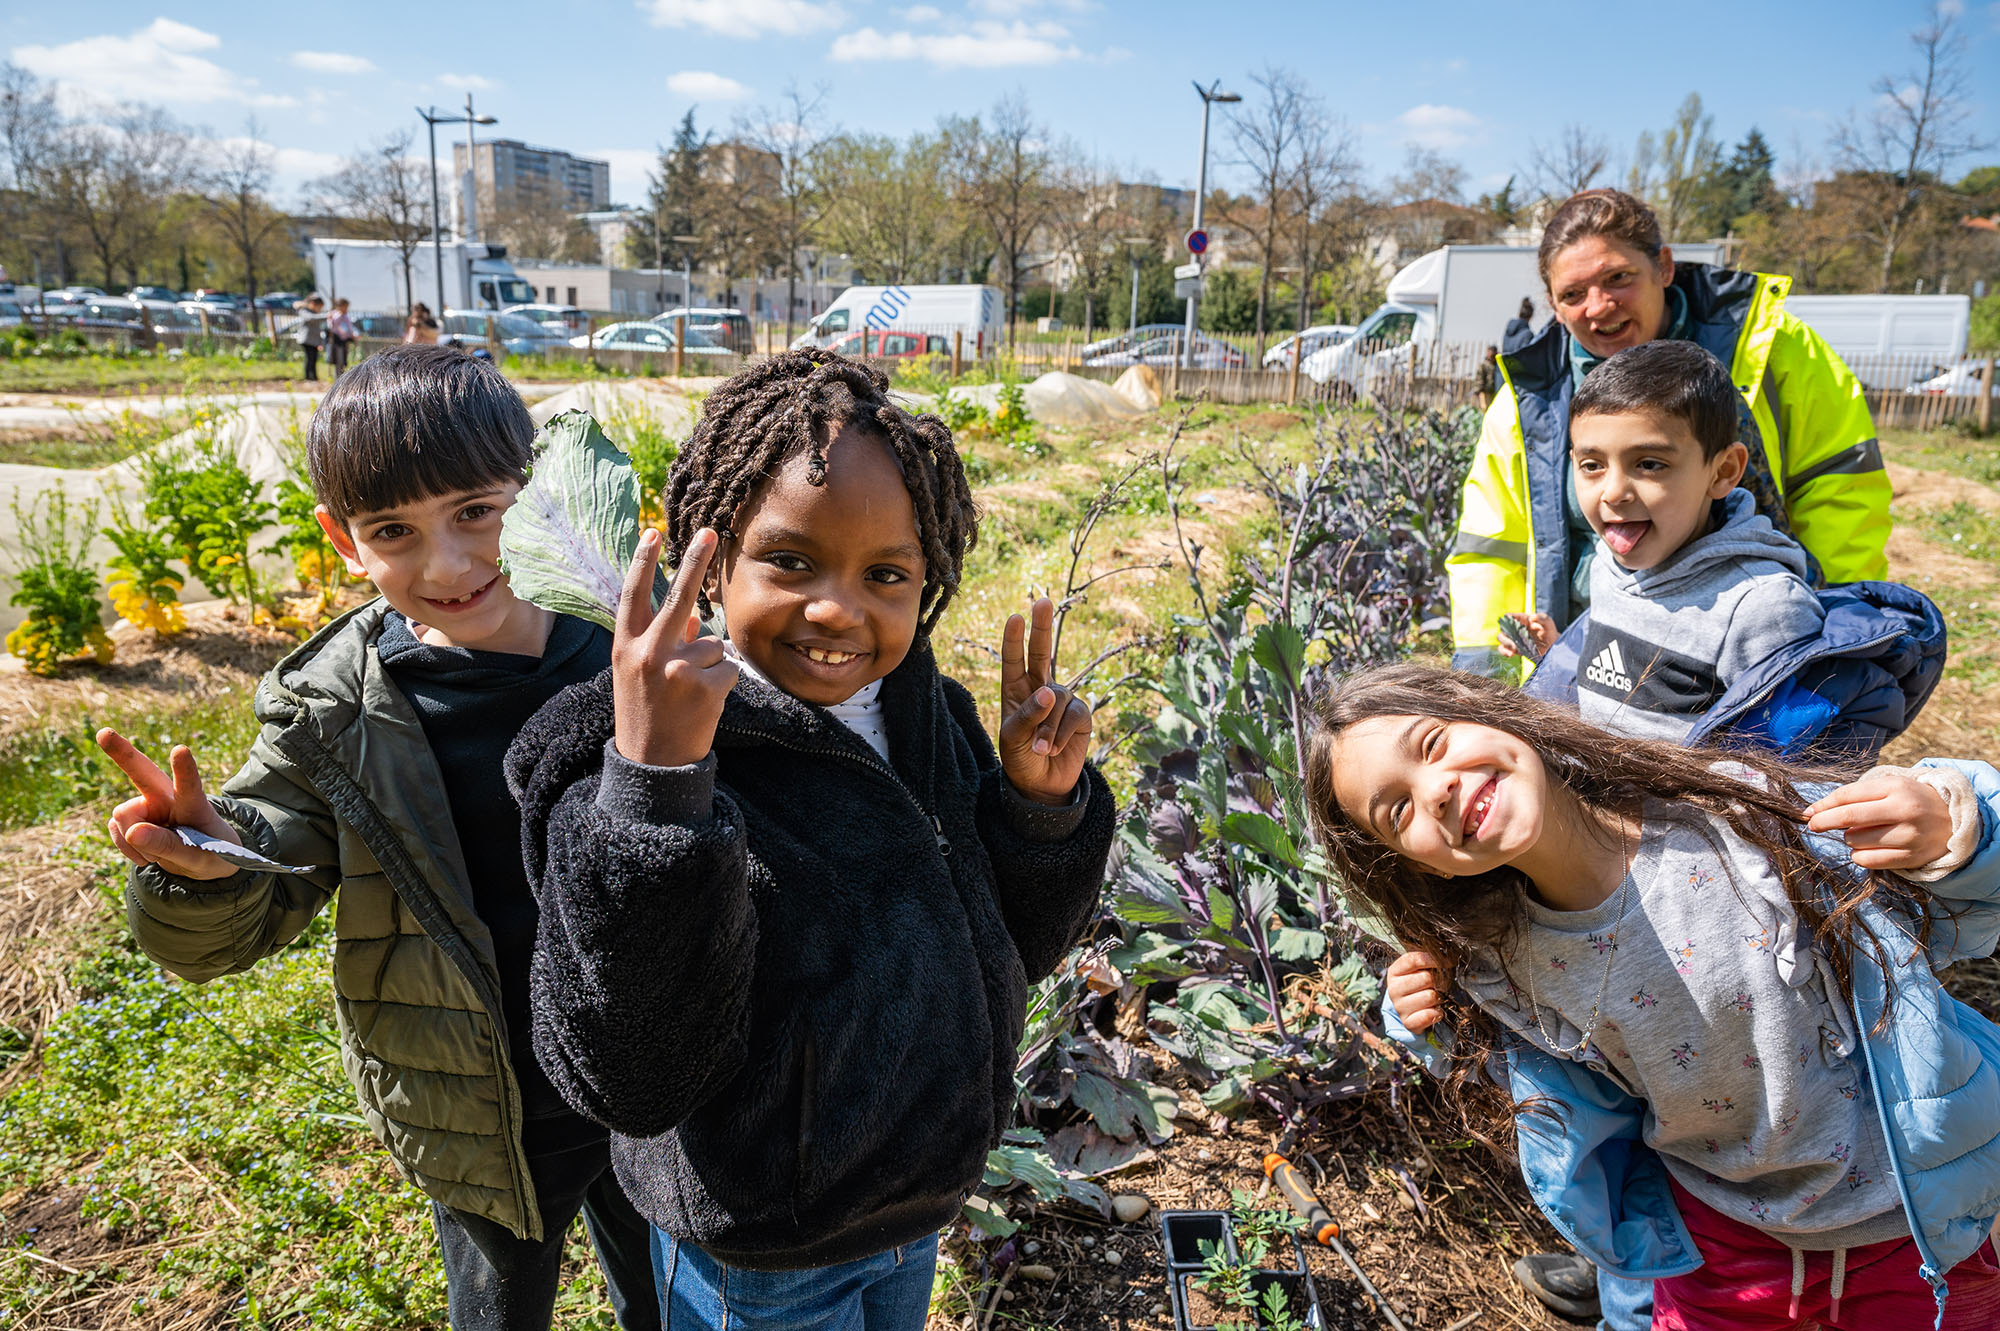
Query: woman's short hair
[(1599, 212)]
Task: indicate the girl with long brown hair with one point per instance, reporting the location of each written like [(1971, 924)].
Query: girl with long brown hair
[(1717, 1029)]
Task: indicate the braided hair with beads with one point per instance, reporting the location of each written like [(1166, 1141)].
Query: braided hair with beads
[(794, 404)]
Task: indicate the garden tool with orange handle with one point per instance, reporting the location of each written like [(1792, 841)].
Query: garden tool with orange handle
[(1322, 1226)]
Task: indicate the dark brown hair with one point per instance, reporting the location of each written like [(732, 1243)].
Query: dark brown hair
[(1678, 380), (1599, 212), (415, 422), (1458, 919), (794, 404)]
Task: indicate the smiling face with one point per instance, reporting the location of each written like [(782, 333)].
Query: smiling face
[(1609, 295), (437, 561), (1455, 797), (822, 589), (1643, 485)]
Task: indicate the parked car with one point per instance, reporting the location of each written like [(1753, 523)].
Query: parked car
[(1209, 353), (1961, 380), (729, 328), (284, 302), (169, 319), (385, 326), (1123, 342), (521, 337), (77, 293), (145, 294), (11, 315), (891, 344), (221, 318), (1319, 335), (649, 336), (565, 319)]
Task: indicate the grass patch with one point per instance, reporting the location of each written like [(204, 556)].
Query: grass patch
[(47, 771), (1945, 450), (140, 372), (89, 444)]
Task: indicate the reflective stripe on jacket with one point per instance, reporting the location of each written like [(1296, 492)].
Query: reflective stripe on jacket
[(1819, 453)]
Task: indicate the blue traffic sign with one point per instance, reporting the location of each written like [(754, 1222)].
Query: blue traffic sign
[(1197, 242)]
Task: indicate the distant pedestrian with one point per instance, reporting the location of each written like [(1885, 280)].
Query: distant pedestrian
[(1489, 376), (310, 333), (340, 336), (420, 326), (1520, 329)]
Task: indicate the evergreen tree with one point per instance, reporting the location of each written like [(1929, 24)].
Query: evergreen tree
[(1744, 184), (673, 205)]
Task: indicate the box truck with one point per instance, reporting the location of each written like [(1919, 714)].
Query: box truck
[(1889, 340), (976, 312), (1460, 298), (370, 274)]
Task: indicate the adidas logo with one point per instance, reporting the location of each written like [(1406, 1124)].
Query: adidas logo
[(1607, 668)]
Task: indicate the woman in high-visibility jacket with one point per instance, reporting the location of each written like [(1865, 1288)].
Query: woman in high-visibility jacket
[(1524, 545)]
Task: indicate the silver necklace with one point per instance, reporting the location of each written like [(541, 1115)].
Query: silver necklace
[(1610, 955)]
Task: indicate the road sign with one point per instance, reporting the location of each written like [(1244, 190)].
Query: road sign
[(1197, 242), (1187, 270), (1187, 287)]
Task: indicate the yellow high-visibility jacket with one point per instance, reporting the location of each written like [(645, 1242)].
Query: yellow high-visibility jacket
[(1815, 465)]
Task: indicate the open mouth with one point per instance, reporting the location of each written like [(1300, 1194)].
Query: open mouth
[(831, 658), (458, 604), (1624, 537), (1482, 804)]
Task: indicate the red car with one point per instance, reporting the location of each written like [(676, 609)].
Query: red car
[(888, 344)]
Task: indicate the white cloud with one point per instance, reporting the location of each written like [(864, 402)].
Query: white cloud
[(746, 18), (921, 14), (987, 45), (332, 62), (1430, 126), (156, 63), (700, 85), (467, 82)]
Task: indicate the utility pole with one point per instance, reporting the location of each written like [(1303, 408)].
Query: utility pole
[(1209, 96), (431, 121)]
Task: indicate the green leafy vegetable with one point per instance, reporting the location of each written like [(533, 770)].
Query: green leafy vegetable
[(572, 532)]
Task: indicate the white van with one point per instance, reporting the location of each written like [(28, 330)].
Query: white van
[(977, 312), (1889, 340)]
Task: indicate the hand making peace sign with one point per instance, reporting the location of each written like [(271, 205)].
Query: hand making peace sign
[(1044, 728), (143, 827), (667, 684)]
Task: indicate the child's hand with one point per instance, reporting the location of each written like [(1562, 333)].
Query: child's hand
[(667, 685), (1044, 728), (1537, 626), (1416, 990), (1889, 821), (143, 827)]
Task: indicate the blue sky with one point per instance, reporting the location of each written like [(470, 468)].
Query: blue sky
[(610, 78)]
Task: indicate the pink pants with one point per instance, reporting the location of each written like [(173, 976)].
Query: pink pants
[(1746, 1283)]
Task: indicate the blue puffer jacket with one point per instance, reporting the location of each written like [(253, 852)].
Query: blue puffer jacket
[(1934, 1070), (1849, 691)]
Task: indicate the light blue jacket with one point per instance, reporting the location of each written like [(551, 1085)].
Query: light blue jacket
[(1934, 1070)]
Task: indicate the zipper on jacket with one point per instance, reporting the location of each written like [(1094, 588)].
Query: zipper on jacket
[(871, 763)]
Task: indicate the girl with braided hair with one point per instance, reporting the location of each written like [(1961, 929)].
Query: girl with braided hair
[(791, 894)]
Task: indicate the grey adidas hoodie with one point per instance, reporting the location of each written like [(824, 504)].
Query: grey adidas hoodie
[(1665, 643)]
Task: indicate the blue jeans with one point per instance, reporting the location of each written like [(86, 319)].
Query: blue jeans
[(1626, 1305), (890, 1291)]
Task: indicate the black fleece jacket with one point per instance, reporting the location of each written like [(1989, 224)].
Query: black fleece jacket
[(791, 978)]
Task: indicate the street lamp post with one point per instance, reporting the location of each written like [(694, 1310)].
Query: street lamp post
[(1209, 96), (332, 277), (1133, 245), (432, 120)]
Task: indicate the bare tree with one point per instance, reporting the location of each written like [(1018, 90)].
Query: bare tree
[(1266, 139), (1325, 199), (1673, 172), (384, 191), (237, 184), (114, 182), (29, 124), (1568, 166), (1006, 181), (739, 185), (1085, 216), (790, 134), (1922, 121)]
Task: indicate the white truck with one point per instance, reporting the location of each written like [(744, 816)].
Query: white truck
[(977, 312), (1452, 304), (1888, 341), (370, 274)]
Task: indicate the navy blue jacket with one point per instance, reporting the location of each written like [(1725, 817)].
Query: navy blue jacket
[(1847, 692)]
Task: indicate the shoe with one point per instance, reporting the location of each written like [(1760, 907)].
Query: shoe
[(1561, 1280)]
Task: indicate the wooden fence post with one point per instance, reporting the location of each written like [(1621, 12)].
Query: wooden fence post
[(957, 352), (1292, 387), (1986, 377), (680, 343)]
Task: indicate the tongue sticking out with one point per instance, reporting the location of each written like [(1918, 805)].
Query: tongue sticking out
[(1622, 537)]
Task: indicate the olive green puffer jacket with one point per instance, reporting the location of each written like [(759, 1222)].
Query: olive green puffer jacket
[(341, 777)]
